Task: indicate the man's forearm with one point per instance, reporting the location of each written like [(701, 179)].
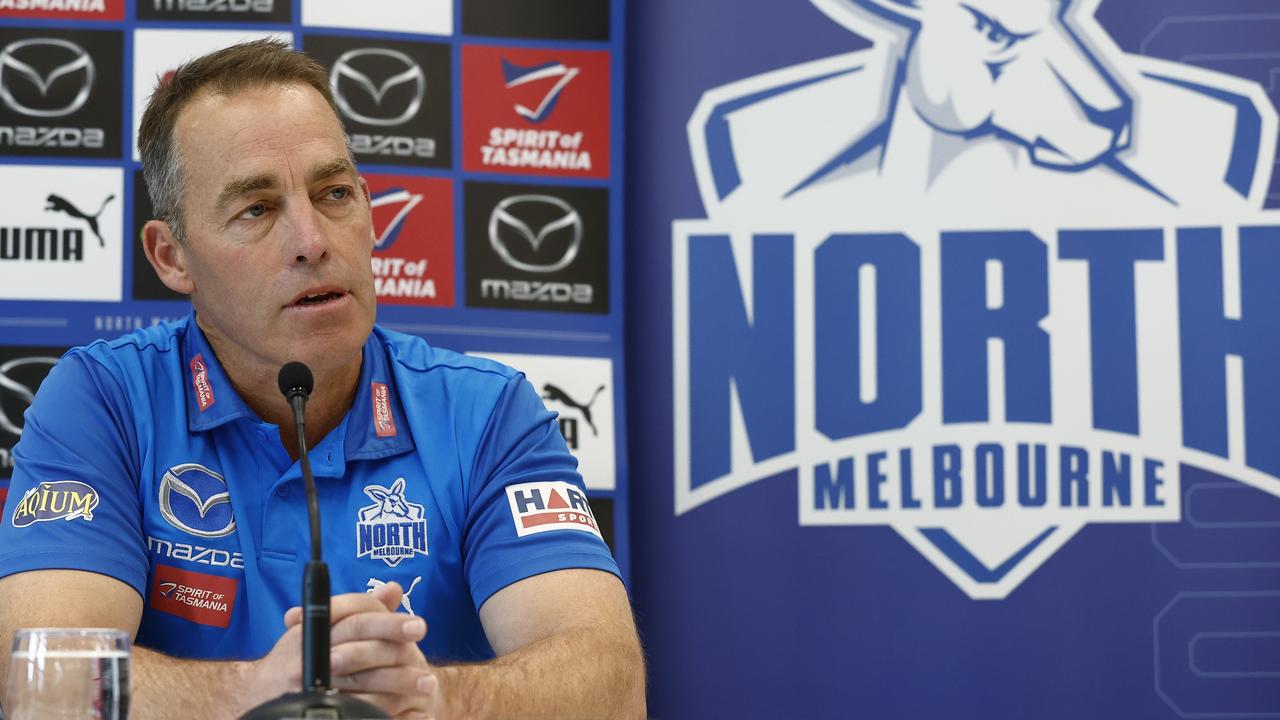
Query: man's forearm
[(575, 674), (208, 689)]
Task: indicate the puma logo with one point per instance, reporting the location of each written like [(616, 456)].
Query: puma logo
[(551, 392), (57, 203), (375, 583)]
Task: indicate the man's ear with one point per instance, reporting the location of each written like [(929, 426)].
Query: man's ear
[(167, 256)]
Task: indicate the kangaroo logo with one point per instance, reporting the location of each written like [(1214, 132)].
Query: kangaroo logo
[(969, 284), (392, 528), (551, 392), (57, 203), (981, 104)]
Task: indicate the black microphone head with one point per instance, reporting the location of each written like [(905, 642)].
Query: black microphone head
[(295, 377)]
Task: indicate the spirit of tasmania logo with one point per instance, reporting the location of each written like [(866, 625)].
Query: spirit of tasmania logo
[(987, 282)]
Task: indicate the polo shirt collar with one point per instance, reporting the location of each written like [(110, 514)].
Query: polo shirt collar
[(375, 424), (211, 399)]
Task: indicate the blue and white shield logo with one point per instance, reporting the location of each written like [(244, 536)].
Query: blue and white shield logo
[(988, 282), (195, 500)]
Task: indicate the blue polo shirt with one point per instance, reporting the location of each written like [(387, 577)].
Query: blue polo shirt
[(140, 461)]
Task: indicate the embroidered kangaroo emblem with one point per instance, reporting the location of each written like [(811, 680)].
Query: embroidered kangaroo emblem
[(57, 203), (391, 502), (551, 392), (375, 583)]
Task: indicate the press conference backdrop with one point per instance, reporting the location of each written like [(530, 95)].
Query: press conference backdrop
[(956, 337), (489, 132)]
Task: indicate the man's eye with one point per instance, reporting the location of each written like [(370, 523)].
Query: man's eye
[(340, 193), (255, 210)]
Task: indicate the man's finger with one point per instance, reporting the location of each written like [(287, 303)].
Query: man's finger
[(399, 706), (398, 680), (395, 627), (360, 655), (383, 598)]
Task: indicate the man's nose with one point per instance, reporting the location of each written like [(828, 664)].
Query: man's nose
[(306, 242)]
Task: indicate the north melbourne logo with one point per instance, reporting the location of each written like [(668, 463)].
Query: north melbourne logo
[(962, 287), (392, 528)]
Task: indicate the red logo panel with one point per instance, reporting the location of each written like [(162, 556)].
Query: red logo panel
[(200, 381), (539, 112), (198, 597), (63, 9), (4, 492), (413, 240), (384, 422)]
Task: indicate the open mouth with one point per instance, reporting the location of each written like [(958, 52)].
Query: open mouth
[(318, 298)]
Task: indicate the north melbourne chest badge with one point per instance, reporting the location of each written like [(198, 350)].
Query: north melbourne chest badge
[(392, 528)]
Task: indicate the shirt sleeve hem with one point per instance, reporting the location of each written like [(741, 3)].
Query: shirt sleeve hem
[(528, 567), (62, 559)]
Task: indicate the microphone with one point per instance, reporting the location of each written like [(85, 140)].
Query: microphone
[(317, 699)]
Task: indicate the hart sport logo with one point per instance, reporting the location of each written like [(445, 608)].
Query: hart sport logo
[(535, 111), (978, 283), (392, 528), (539, 507)]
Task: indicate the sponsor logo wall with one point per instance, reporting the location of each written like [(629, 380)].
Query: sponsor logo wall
[(964, 337), (421, 97)]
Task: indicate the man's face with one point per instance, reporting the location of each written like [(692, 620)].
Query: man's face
[(279, 234)]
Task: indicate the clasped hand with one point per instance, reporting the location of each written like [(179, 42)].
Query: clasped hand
[(374, 655)]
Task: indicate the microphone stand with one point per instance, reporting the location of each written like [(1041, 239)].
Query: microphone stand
[(317, 699)]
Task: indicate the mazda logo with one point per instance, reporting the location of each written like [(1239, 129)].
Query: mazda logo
[(529, 220), (403, 70), (20, 73), (24, 392), (196, 500)]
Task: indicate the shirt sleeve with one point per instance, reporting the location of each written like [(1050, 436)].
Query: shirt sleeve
[(73, 501), (528, 511)]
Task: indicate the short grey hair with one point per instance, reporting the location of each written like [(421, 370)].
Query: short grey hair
[(245, 65)]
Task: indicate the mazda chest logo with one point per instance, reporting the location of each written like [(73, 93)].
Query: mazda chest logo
[(35, 65), (404, 70), (196, 500), (512, 222)]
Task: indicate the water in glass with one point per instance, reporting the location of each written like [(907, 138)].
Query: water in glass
[(69, 673)]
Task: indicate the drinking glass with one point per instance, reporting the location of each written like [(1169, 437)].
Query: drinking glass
[(69, 674)]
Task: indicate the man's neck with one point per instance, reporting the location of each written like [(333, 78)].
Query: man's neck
[(258, 386)]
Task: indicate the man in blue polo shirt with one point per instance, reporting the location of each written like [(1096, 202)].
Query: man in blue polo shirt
[(156, 487)]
